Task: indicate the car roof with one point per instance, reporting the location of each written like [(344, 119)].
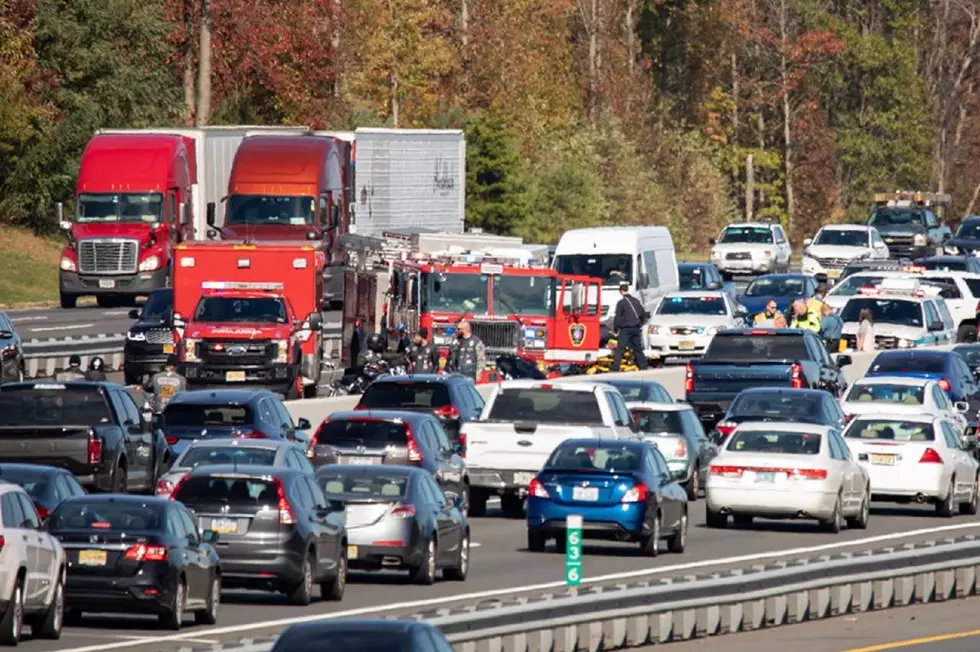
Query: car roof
[(783, 391), (245, 470), (845, 227), (795, 426), (660, 407), (238, 442), (893, 380), (361, 624), (377, 415), (696, 294), (231, 397), (884, 416), (37, 468), (583, 386), (125, 499), (420, 378), (921, 353)]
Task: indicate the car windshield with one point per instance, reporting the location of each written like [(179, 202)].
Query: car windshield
[(357, 485), (900, 312), (842, 238), (774, 407), (885, 393), (262, 310), (897, 217), (35, 484), (779, 442), (546, 406), (943, 265), (969, 230), (455, 293), (746, 234), (768, 286), (402, 394), (692, 306), (195, 415), (210, 455), (270, 210), (47, 405), (158, 306), (123, 207), (613, 269), (853, 284), (598, 457), (104, 516), (523, 295), (369, 433), (890, 430), (757, 347), (915, 363), (659, 421)]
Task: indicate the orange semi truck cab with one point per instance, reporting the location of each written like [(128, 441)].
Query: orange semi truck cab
[(249, 314), (133, 205)]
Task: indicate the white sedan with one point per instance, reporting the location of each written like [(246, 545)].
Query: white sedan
[(783, 469), (685, 323), (915, 459), (903, 396)]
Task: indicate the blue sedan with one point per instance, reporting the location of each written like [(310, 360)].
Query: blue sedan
[(623, 490), (784, 288)]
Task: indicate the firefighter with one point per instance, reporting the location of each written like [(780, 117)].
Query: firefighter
[(72, 372), (469, 355), (804, 318), (96, 370), (422, 355), (166, 384)]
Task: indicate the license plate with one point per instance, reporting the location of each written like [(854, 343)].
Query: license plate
[(224, 526), (360, 460), (882, 460), (685, 345), (107, 284), (523, 478), (235, 376), (352, 552), (765, 478), (168, 348), (585, 493), (92, 558)]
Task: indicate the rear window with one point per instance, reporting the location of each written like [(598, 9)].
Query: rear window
[(546, 406), (659, 422), (890, 430), (405, 394), (901, 312), (344, 641), (210, 455), (882, 393), (52, 405), (34, 484), (971, 355), (231, 490), (371, 434), (354, 486), (757, 347), (595, 458), (915, 364), (184, 415), (775, 406), (774, 441), (974, 285), (106, 517)]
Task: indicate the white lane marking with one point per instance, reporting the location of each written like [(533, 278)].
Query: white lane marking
[(18, 320), (115, 313), (284, 622), (476, 545), (59, 328)]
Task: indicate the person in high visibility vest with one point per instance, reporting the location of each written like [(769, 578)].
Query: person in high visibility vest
[(604, 363), (804, 319), (815, 303)]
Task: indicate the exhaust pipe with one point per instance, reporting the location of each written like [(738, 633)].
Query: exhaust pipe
[(920, 498), (725, 511), (802, 514)]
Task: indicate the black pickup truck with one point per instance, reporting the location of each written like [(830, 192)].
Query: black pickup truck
[(94, 430), (745, 358)]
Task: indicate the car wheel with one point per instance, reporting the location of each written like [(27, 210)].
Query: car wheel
[(834, 523), (50, 623), (458, 572), (946, 507), (335, 588), (535, 541), (209, 615), (677, 541), (650, 545), (425, 572), (970, 507), (693, 486), (860, 522), (13, 618), (174, 618), (302, 593)]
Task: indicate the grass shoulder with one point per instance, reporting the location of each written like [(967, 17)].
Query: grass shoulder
[(28, 268)]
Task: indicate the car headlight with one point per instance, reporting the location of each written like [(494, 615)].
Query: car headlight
[(920, 240), (136, 337), (715, 254), (68, 265), (713, 330), (190, 350), (905, 344), (150, 263), (656, 330), (282, 353)]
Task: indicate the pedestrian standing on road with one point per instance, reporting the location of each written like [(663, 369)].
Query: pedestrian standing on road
[(72, 372), (421, 354), (866, 331), (96, 370), (767, 318), (831, 329), (804, 319), (469, 356), (166, 384), (628, 324)]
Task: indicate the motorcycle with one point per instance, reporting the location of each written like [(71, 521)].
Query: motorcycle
[(355, 383)]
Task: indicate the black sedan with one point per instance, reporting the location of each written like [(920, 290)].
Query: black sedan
[(47, 486), (136, 554), (814, 406), (11, 352), (356, 635), (150, 339)]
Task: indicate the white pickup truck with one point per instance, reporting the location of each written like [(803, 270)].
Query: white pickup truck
[(521, 424)]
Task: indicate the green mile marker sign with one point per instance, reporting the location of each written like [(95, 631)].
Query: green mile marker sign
[(573, 550)]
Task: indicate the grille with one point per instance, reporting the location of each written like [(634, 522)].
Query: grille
[(837, 263), (742, 255), (237, 354), (898, 239), (497, 335), (159, 336), (682, 330), (107, 256), (886, 342)]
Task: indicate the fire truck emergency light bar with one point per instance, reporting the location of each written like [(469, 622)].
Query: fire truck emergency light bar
[(909, 197), (239, 285)]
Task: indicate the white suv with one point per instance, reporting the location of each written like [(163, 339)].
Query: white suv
[(752, 248), (32, 570), (962, 295)]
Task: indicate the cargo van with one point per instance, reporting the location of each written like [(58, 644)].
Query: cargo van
[(642, 256)]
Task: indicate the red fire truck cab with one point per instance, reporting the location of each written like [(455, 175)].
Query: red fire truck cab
[(249, 314)]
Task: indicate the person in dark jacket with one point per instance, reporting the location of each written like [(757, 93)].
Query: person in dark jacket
[(628, 324), (423, 356), (831, 329), (72, 372), (96, 370), (469, 355)]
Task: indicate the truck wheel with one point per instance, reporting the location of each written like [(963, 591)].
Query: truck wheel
[(68, 301), (967, 333)]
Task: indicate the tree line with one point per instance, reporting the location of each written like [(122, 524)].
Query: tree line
[(686, 113)]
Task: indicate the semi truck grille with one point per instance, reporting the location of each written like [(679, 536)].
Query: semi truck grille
[(114, 256), (160, 336), (237, 354), (497, 336)]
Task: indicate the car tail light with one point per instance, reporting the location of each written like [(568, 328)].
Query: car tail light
[(250, 433), (447, 411), (807, 474), (637, 494), (172, 440), (930, 456), (164, 488), (796, 375), (286, 514), (402, 511), (726, 428), (848, 417), (537, 489), (360, 407), (176, 489), (414, 453), (944, 384), (94, 449), (143, 552), (680, 448), (42, 511), (689, 378), (726, 471), (759, 331), (462, 445)]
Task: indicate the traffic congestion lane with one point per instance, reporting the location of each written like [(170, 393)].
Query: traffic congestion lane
[(502, 568), (938, 627)]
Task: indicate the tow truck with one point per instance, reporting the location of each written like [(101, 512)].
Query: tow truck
[(514, 302), (912, 223), (248, 314)]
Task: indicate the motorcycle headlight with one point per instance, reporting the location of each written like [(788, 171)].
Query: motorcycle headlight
[(136, 337), (68, 265), (920, 240), (282, 352), (190, 350), (150, 263)]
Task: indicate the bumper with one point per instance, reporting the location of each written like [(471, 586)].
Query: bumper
[(606, 522), (786, 502), (677, 346), (500, 480), (73, 283), (141, 594), (142, 358), (274, 375), (813, 267), (261, 564), (363, 551), (892, 484), (752, 266), (900, 250)]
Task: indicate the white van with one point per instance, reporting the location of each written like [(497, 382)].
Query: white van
[(642, 256)]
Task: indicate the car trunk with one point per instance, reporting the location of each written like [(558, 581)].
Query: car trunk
[(92, 553), (733, 377), (234, 506), (366, 441), (586, 488)]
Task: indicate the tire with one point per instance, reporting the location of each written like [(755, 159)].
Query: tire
[(120, 480), (970, 507), (693, 486), (50, 623), (535, 541), (478, 504), (12, 623), (174, 618), (512, 506), (966, 333), (68, 301), (947, 507), (743, 520), (209, 615), (860, 522), (715, 520), (834, 524), (677, 542), (302, 593), (425, 573), (459, 572), (335, 588), (650, 545)]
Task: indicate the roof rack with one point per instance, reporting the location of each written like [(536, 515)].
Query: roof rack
[(910, 197)]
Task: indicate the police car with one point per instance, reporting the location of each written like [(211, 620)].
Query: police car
[(835, 246), (907, 314), (752, 248), (684, 323), (845, 289), (961, 292)]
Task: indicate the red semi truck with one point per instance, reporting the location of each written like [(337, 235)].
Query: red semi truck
[(133, 205)]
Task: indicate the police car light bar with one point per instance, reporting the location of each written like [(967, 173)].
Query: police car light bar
[(236, 285)]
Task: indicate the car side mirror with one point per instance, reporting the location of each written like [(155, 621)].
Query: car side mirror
[(316, 321), (714, 285), (303, 424), (807, 242), (336, 505), (211, 214), (962, 406), (134, 313), (844, 361), (209, 536), (936, 326)]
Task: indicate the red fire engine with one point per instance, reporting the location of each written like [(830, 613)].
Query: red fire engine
[(249, 314), (514, 302)]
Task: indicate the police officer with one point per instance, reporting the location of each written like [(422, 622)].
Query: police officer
[(166, 384), (96, 370), (469, 356), (628, 324), (804, 319), (422, 355), (72, 372)]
